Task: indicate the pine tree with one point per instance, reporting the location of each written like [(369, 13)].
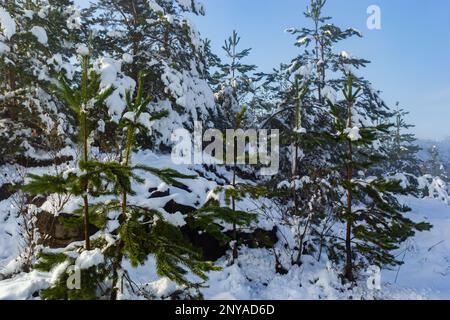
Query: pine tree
[(142, 231), (379, 224), (330, 146), (216, 212), (233, 82), (434, 165), (233, 196), (401, 146), (349, 171), (211, 62), (135, 119), (302, 89), (38, 40), (82, 101), (156, 36)]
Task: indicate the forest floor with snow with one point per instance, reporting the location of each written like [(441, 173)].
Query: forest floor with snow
[(424, 275)]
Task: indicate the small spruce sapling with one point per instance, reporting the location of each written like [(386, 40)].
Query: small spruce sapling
[(82, 101), (212, 212), (142, 231), (375, 221)]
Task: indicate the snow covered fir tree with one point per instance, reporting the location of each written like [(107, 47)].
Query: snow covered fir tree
[(141, 160)]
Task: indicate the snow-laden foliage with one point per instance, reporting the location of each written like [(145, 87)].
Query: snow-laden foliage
[(7, 23), (160, 39), (37, 43), (89, 101)]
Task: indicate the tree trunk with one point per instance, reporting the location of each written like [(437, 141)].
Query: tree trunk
[(85, 137), (233, 207), (122, 219), (348, 237), (86, 222), (86, 186)]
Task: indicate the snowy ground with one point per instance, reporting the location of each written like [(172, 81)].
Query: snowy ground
[(425, 274), (427, 256)]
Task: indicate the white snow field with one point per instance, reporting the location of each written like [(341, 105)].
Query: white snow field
[(427, 255)]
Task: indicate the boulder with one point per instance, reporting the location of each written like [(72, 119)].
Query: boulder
[(56, 234)]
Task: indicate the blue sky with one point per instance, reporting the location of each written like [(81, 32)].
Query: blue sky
[(410, 55)]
